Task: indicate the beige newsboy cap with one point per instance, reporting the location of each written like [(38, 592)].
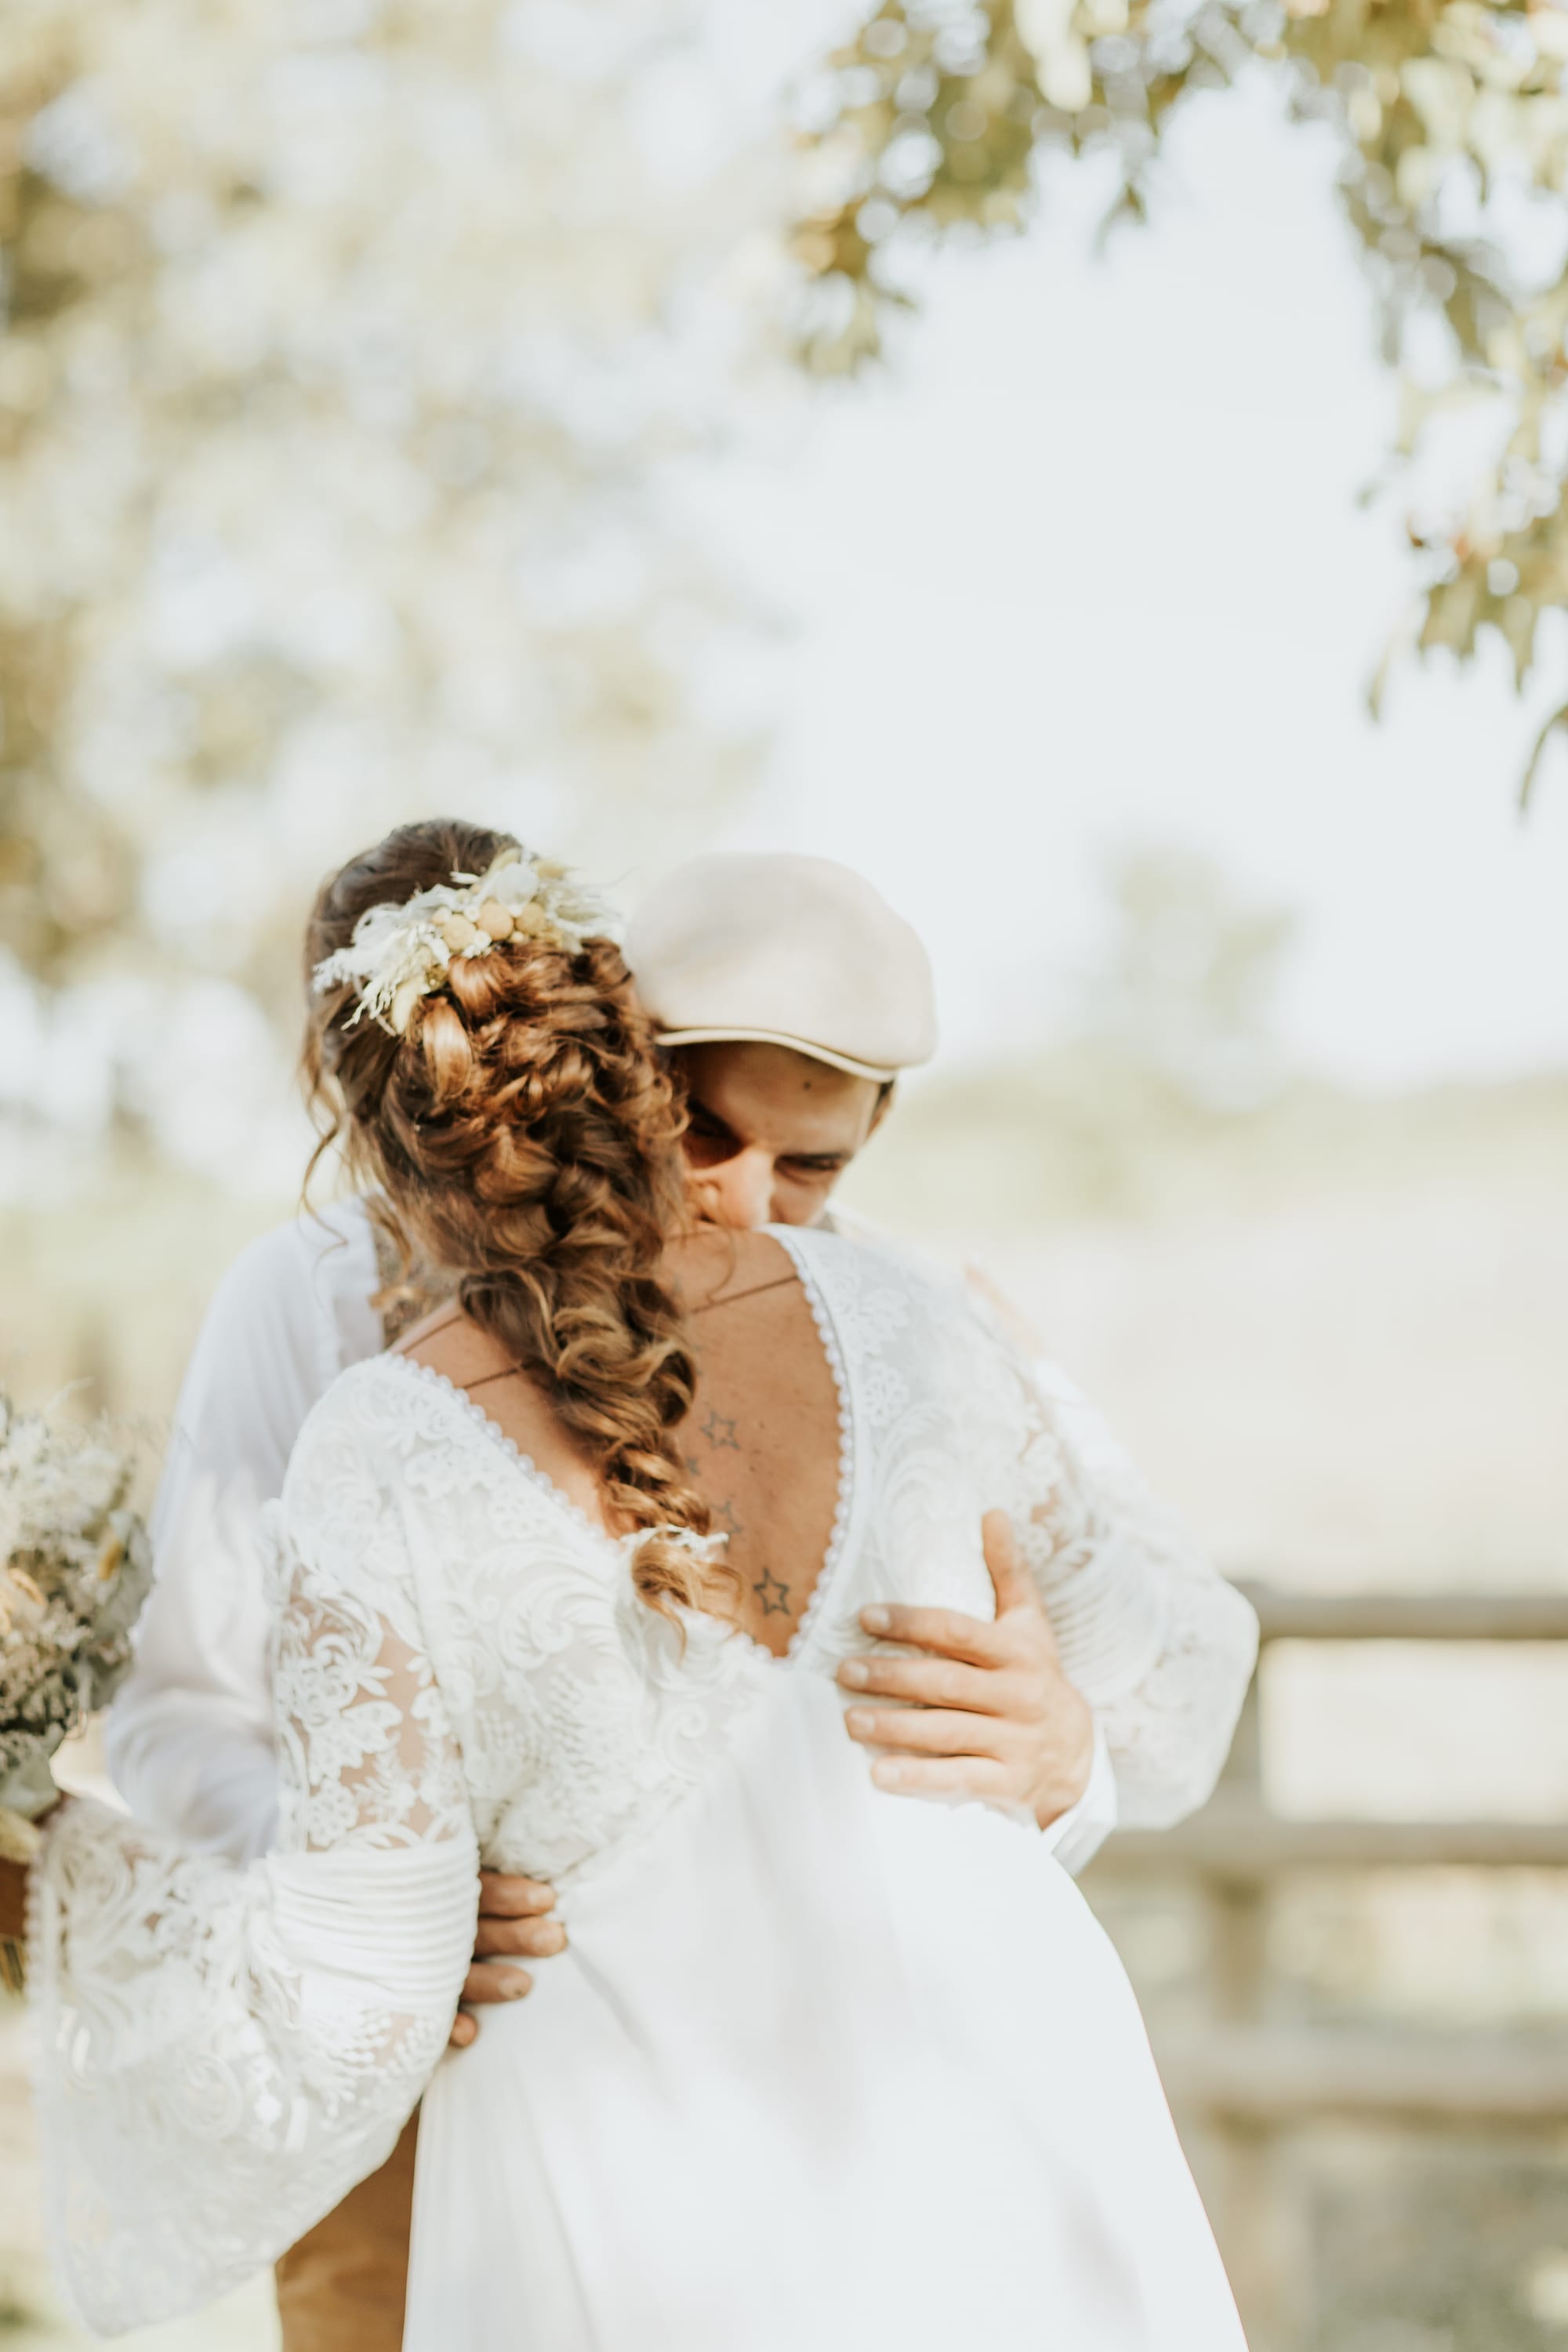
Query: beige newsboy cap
[(794, 952)]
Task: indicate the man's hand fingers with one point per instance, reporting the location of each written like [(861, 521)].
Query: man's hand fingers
[(523, 1939), (933, 1682), (1014, 1586), (495, 1980), (504, 1896), (929, 1731), (465, 2029), (945, 1776), (947, 1631)]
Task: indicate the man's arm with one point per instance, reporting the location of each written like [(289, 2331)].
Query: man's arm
[(190, 1735)]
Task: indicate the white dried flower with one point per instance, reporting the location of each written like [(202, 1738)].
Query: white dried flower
[(400, 953)]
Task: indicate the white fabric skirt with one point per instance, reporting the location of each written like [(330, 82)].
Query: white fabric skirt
[(822, 2068)]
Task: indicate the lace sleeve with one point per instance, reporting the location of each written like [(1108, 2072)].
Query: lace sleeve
[(223, 2053), (1150, 1632)]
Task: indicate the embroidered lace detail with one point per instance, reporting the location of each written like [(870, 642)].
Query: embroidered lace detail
[(366, 1756), (958, 1424), (843, 1508), (580, 1713), (510, 1448), (464, 1668), (223, 2052)]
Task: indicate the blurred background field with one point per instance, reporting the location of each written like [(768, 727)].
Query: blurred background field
[(1332, 1330), (453, 406)]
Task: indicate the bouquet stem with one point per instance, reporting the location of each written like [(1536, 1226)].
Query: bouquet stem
[(20, 1839), (20, 1842)]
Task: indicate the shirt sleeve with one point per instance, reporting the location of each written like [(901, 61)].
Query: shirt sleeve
[(1076, 1836), (224, 2052), (189, 1738)]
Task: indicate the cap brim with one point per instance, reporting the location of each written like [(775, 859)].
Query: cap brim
[(846, 1062)]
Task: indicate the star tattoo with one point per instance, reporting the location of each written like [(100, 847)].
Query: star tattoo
[(764, 1589), (720, 1432)]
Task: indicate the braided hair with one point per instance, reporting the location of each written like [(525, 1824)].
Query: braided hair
[(523, 1134)]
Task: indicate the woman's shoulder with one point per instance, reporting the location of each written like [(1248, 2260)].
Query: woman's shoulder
[(399, 1429), (858, 1261), (375, 1415)]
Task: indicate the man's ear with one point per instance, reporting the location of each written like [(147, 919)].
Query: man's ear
[(884, 1104)]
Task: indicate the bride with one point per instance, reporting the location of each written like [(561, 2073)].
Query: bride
[(771, 2095)]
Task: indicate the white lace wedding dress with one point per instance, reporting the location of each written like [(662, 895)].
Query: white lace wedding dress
[(822, 2066)]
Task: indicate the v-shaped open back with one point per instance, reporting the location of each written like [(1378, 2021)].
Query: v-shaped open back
[(770, 1439)]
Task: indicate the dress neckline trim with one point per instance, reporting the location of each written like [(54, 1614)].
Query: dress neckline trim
[(792, 1239), (491, 1428), (793, 1242)]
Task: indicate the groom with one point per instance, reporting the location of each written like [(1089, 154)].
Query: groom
[(790, 997)]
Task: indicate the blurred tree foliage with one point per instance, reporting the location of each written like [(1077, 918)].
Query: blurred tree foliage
[(337, 375), (1454, 126), (1187, 993)]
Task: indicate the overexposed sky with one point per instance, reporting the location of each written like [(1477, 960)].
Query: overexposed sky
[(1084, 569)]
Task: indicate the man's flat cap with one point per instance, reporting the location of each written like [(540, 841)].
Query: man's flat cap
[(781, 951)]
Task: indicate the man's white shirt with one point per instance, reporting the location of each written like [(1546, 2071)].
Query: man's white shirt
[(189, 1736)]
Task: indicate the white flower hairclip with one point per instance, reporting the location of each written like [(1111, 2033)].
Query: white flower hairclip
[(709, 1550), (400, 953)]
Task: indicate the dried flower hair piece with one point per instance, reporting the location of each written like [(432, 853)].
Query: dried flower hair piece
[(399, 954)]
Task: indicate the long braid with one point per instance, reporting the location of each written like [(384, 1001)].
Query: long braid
[(526, 1135)]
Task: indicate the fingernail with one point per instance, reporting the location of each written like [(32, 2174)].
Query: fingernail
[(887, 1774), (519, 1985), (856, 1671), (860, 1718), (876, 1620)]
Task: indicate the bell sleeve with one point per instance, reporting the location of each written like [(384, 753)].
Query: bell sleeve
[(223, 2052), (189, 1738)]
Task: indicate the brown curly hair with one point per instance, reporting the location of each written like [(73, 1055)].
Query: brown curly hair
[(523, 1133)]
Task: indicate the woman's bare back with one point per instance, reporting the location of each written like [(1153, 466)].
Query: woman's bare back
[(762, 1439)]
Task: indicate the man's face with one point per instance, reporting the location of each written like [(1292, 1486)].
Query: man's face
[(771, 1132)]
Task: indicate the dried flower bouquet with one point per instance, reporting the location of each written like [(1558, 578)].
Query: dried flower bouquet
[(73, 1570)]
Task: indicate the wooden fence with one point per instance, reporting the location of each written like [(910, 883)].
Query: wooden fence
[(1239, 2079)]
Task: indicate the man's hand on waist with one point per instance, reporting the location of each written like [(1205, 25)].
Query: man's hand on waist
[(515, 1922)]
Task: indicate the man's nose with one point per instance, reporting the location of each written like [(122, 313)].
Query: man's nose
[(738, 1193)]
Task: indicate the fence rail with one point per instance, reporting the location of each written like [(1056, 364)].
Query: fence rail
[(1234, 1837), (1285, 1616), (1286, 2074), (1240, 2078)]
